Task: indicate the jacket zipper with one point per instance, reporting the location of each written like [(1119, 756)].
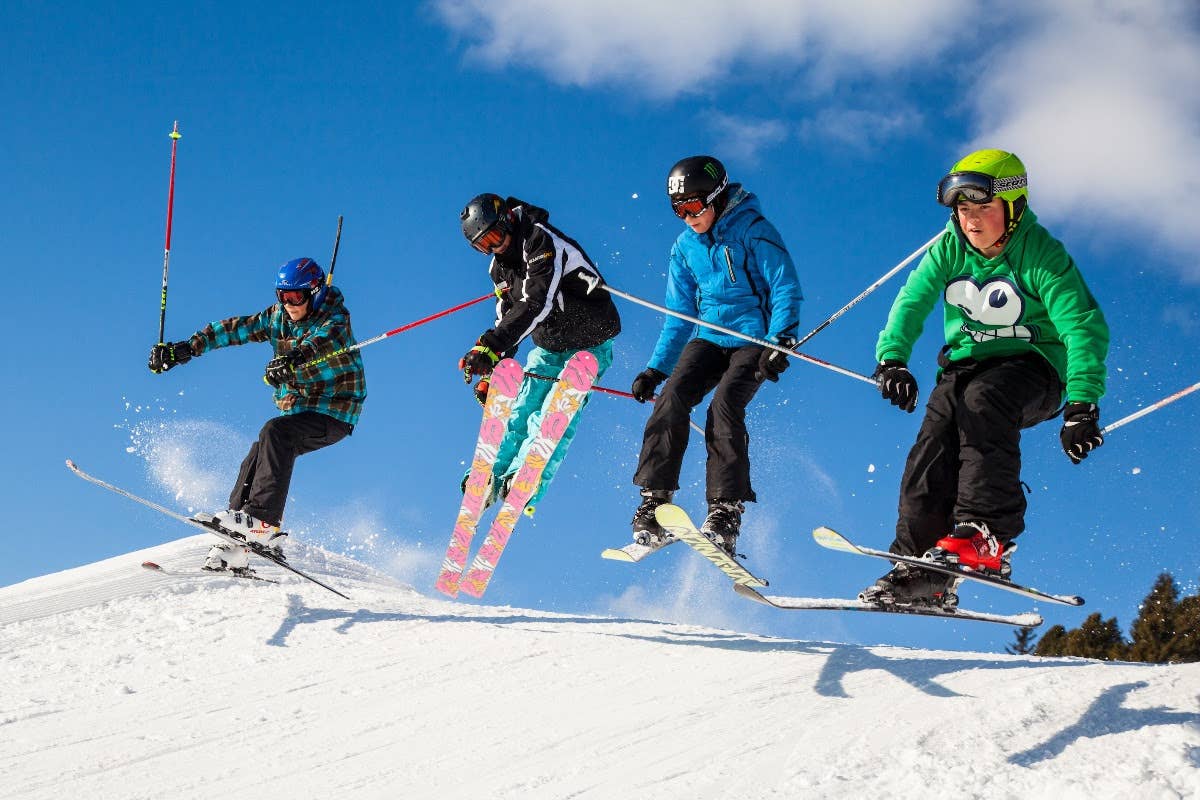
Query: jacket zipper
[(729, 261)]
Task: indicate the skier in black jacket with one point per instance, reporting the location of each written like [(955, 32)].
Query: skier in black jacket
[(548, 290)]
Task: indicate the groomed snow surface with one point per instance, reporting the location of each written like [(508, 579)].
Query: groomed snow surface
[(117, 682)]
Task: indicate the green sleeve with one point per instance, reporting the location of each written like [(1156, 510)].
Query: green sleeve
[(912, 305), (1080, 325)]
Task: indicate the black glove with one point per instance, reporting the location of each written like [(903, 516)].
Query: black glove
[(165, 356), (772, 363), (282, 369), (481, 391), (1080, 432), (645, 384), (480, 359), (896, 384)]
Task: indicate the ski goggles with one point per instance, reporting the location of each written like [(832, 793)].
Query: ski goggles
[(695, 206), (975, 187), (293, 297), (691, 207), (488, 240)]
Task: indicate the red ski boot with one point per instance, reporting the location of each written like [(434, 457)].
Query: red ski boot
[(972, 546)]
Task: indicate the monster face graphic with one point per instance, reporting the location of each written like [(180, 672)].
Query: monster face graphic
[(993, 309)]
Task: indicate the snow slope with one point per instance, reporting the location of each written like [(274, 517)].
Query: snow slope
[(116, 682)]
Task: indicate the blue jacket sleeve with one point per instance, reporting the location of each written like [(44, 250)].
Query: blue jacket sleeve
[(777, 267), (681, 297)]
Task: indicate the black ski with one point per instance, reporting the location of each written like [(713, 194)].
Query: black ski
[(207, 526)]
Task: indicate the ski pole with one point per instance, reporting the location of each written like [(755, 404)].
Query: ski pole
[(1149, 409), (753, 340), (870, 289), (162, 311), (337, 240), (360, 345), (616, 392)]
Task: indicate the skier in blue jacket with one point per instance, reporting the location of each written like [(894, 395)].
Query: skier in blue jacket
[(730, 268)]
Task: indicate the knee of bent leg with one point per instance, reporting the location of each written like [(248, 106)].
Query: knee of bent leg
[(985, 402), (273, 429)]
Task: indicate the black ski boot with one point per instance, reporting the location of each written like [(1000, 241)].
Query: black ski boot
[(906, 585), (646, 530), (723, 524)]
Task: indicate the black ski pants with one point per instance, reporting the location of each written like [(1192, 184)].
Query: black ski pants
[(703, 367), (966, 463), (266, 473)]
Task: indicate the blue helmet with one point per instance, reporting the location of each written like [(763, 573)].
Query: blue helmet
[(302, 275)]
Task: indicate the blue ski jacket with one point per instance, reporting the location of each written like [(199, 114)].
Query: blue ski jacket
[(737, 275)]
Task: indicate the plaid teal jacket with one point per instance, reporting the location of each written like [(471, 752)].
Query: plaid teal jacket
[(336, 386)]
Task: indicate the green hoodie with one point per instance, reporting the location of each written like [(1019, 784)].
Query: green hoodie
[(1031, 297)]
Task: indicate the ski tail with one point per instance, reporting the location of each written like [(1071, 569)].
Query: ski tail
[(505, 383), (207, 526), (676, 521), (559, 409)]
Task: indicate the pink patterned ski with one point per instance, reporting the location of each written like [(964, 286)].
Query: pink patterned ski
[(502, 393), (560, 407)]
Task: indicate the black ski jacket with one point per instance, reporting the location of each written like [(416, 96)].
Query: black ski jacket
[(555, 293)]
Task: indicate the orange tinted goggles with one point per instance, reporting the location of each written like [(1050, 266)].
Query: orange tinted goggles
[(692, 207), (490, 239)]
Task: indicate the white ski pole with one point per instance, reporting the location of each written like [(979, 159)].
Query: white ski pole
[(1149, 409), (871, 288), (738, 334)]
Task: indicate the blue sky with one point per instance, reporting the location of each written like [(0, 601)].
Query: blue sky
[(841, 117)]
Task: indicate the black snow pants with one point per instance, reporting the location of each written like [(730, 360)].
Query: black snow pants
[(966, 462), (266, 473), (703, 367)]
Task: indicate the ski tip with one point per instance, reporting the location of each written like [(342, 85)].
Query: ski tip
[(71, 466), (828, 537), (150, 565)]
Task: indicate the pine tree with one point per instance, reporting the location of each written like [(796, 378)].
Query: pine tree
[(1187, 629), (1024, 644), (1153, 636), (1052, 643), (1097, 638)]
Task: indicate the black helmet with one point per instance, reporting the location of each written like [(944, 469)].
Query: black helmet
[(484, 212), (701, 177)]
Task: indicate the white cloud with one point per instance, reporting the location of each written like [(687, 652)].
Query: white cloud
[(743, 139), (1100, 98), (859, 129), (666, 49), (1102, 103)]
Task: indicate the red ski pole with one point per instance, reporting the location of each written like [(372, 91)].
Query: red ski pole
[(162, 312), (359, 346)]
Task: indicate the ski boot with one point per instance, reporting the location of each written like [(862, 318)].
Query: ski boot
[(723, 524), (228, 557), (497, 490), (972, 546), (906, 585), (646, 530), (252, 530)]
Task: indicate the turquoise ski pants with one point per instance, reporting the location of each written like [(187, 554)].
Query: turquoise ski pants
[(527, 414)]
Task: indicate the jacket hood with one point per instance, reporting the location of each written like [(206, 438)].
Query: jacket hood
[(529, 211)]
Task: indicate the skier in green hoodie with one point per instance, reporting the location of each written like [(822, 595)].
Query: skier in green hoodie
[(1021, 328)]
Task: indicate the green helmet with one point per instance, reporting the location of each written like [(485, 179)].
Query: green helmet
[(985, 174)]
